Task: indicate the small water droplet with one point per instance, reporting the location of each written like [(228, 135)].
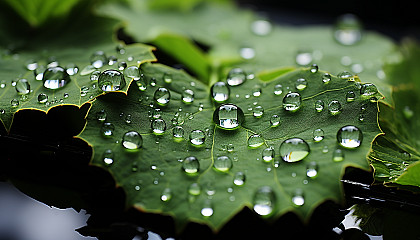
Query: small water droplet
[(167, 78), (319, 105), (348, 30), (55, 78), (132, 72), (166, 195), (292, 102), (222, 164), (261, 27), (264, 201), (255, 141), (338, 155), (368, 90), (112, 60), (72, 69), (197, 137), (107, 129), (326, 78), (350, 96), (345, 75), (31, 65), (275, 120), (101, 115), (3, 84), (236, 77), (312, 169), (314, 68), (132, 140), (98, 59), (318, 135), (162, 96), (14, 103), (349, 136), (228, 116), (258, 111), (239, 179), (188, 96), (268, 154), (120, 49), (294, 150), (85, 71), (178, 133), (108, 157), (298, 198), (158, 126), (247, 52), (84, 91), (191, 165), (194, 189), (111, 80), (278, 89), (303, 58), (207, 209), (334, 107), (325, 149), (256, 91), (42, 98), (301, 84), (220, 92)]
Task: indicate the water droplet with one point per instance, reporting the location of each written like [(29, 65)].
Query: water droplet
[(318, 135), (303, 58), (338, 155), (111, 80), (166, 195), (158, 126), (107, 129), (407, 112), (348, 30), (207, 209), (319, 105), (55, 78), (255, 141), (278, 89), (222, 164), (294, 150), (236, 77), (3, 84), (112, 60), (345, 75), (132, 72), (268, 154), (261, 27), (108, 157), (349, 137), (256, 91), (122, 65), (239, 179), (191, 165), (132, 140), (42, 98), (298, 198), (188, 96), (220, 92), (325, 149), (14, 103), (178, 133), (31, 65), (84, 91), (197, 137), (128, 118), (194, 189), (314, 68), (292, 102), (247, 53), (120, 49), (312, 169), (22, 86), (334, 107), (264, 201), (72, 69), (301, 84), (326, 78), (258, 111), (350, 96), (101, 115), (228, 116), (98, 59), (368, 89), (230, 147), (85, 71), (275, 120), (162, 96)]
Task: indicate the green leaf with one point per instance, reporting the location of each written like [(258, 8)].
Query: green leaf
[(411, 176), (156, 168)]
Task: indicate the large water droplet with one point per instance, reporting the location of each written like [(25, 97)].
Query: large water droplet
[(228, 116), (334, 107), (132, 140), (268, 154), (191, 165), (197, 137), (294, 150), (111, 80), (108, 157), (98, 59), (22, 86), (292, 102), (188, 96), (264, 201), (301, 84), (220, 92), (223, 164), (348, 30), (158, 126), (312, 169), (318, 135), (368, 89), (255, 141), (55, 77), (298, 198), (107, 129), (162, 96), (349, 136), (236, 77), (239, 179)]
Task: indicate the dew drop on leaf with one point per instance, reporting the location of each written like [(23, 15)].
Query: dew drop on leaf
[(197, 137), (368, 89), (132, 72), (258, 111), (132, 140), (166, 195), (318, 135), (158, 126), (314, 68), (319, 105), (255, 141), (220, 92), (111, 80), (207, 209), (350, 96), (108, 157), (349, 137), (345, 75), (228, 116), (312, 169), (298, 198), (236, 77), (348, 30), (72, 69), (107, 129), (178, 133), (194, 189), (167, 78), (188, 96), (334, 107), (98, 59), (264, 201), (326, 78), (275, 120), (292, 102), (301, 84), (14, 103), (101, 115), (42, 98), (55, 78), (294, 150), (191, 165), (268, 154), (222, 164), (338, 155), (162, 96), (278, 89)]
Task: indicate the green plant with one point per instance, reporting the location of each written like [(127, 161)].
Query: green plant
[(249, 122)]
